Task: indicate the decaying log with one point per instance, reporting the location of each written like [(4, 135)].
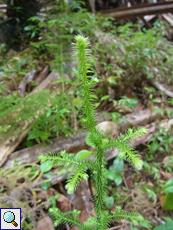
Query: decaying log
[(139, 10), (160, 87), (42, 75), (8, 145), (30, 154), (77, 142), (26, 80)]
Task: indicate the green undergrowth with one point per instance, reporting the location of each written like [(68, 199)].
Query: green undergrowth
[(41, 110), (121, 54)]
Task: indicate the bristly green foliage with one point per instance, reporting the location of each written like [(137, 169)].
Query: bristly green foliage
[(126, 152), (35, 109), (70, 218), (98, 165)]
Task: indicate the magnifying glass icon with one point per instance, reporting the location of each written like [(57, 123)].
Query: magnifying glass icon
[(9, 217)]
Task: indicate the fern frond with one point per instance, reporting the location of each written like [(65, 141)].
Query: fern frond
[(129, 135), (78, 175), (70, 218), (133, 133), (129, 154), (61, 158), (135, 218), (126, 152)]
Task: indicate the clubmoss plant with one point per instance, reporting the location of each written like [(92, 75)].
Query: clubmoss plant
[(95, 138)]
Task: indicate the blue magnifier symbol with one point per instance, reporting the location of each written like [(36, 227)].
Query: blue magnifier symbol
[(9, 218)]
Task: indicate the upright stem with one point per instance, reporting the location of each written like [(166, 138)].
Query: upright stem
[(83, 68)]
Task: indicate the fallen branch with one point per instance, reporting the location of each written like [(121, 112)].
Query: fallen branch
[(77, 142), (160, 87)]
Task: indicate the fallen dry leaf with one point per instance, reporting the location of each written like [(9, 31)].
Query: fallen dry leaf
[(108, 126), (167, 161), (45, 223), (64, 204), (166, 175)]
